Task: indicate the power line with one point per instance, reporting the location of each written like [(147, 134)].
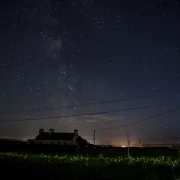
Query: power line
[(75, 105), (85, 114), (145, 119)]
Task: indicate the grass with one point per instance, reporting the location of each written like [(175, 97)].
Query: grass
[(31, 166)]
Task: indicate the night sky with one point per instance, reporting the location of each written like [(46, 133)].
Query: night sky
[(70, 52)]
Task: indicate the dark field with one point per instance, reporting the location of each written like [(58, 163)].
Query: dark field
[(24, 161), (29, 166)]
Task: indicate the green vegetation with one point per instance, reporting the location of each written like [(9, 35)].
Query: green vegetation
[(29, 166)]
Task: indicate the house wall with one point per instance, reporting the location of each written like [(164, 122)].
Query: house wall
[(59, 142), (75, 140)]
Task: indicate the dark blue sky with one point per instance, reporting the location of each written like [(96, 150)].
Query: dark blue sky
[(56, 53)]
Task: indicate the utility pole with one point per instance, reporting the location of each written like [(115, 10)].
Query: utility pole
[(128, 141), (94, 133), (139, 142)]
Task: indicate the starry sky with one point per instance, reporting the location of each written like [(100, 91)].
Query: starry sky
[(70, 52)]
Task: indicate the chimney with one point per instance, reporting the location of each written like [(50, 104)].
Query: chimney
[(51, 131), (75, 132), (41, 131)]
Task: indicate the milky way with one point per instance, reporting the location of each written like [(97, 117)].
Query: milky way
[(59, 53)]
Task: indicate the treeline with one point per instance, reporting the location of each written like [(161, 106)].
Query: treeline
[(90, 150)]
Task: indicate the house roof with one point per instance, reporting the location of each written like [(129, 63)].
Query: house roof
[(55, 136)]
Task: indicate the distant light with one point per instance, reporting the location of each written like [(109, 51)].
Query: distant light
[(123, 146)]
